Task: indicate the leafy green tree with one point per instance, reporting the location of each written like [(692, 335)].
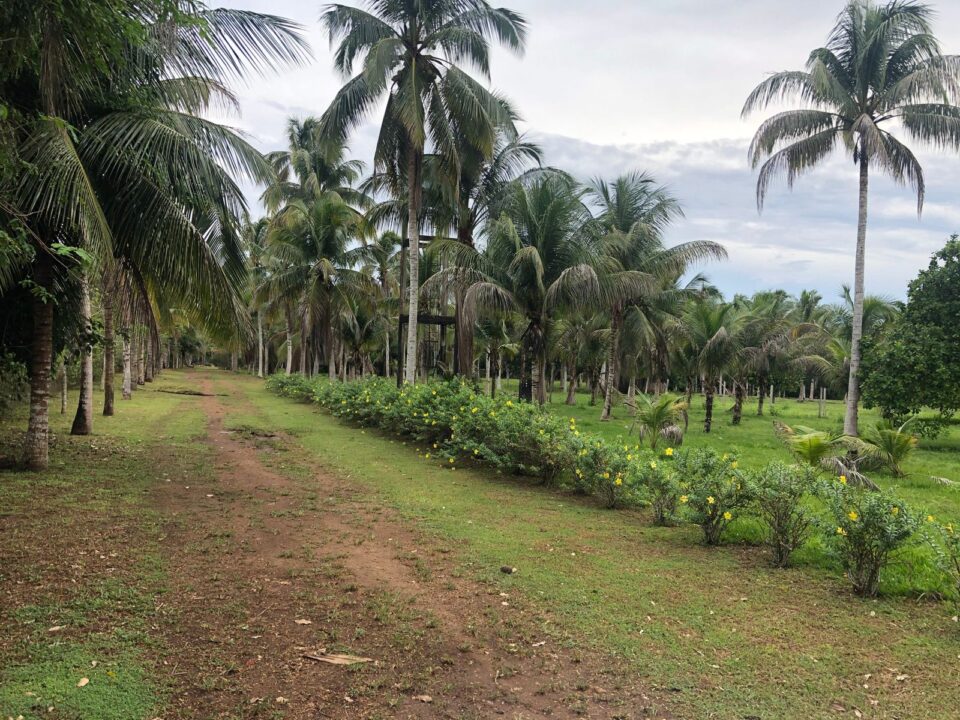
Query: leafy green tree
[(881, 66), (916, 363), (711, 335), (412, 53)]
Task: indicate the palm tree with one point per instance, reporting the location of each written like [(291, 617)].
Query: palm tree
[(540, 257), (411, 53), (121, 161), (657, 417), (881, 65), (709, 330), (634, 212)]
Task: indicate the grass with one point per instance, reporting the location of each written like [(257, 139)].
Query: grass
[(717, 630), (81, 555)]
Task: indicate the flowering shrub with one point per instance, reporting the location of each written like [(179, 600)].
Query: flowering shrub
[(604, 471), (867, 527), (946, 545), (660, 479), (779, 491), (713, 490)]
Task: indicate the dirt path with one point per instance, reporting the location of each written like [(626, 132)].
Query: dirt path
[(269, 565)]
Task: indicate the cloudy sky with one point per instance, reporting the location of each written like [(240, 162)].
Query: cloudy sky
[(615, 85)]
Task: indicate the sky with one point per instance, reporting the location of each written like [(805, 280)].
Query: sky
[(611, 86)]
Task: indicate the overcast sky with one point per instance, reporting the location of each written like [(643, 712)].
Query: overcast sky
[(615, 85)]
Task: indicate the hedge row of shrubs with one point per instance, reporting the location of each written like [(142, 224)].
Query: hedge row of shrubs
[(456, 424)]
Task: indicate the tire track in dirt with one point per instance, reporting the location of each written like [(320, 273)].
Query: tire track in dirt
[(256, 550)]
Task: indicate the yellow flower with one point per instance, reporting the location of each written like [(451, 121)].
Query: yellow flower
[(343, 402), (725, 456), (843, 479), (710, 500), (474, 410), (853, 515), (606, 476), (427, 456), (451, 461), (653, 465), (734, 464), (576, 433), (684, 498), (434, 446), (476, 452), (509, 403), (629, 457), (626, 447), (930, 518), (949, 528), (668, 452), (895, 510), (573, 421), (841, 531), (541, 432), (618, 481), (727, 516)]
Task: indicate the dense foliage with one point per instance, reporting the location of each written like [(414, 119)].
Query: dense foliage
[(916, 364)]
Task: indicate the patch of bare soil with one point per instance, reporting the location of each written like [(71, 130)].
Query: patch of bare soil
[(269, 567)]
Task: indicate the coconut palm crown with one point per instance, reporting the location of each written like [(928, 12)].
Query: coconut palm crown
[(880, 69)]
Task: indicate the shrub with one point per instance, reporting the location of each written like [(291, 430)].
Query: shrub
[(779, 490), (660, 480), (867, 527), (606, 473), (713, 490), (14, 386)]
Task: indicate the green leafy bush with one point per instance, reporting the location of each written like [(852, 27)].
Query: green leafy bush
[(780, 490), (663, 488), (945, 540), (14, 385), (867, 527), (714, 491)]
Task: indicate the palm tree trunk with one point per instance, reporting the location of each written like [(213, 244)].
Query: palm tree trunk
[(126, 391), (289, 345), (612, 377), (148, 356), (853, 384), (738, 394), (708, 391), (140, 353), (108, 340), (495, 372), (414, 164), (83, 420), (259, 345), (761, 395), (41, 352), (386, 354), (331, 359), (572, 385)]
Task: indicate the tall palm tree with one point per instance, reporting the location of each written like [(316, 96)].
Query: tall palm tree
[(121, 161), (881, 66), (411, 52), (540, 257), (634, 212)]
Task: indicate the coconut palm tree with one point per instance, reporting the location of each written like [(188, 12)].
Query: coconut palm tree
[(540, 257), (658, 417), (121, 161), (634, 212), (412, 52), (881, 66), (711, 334)]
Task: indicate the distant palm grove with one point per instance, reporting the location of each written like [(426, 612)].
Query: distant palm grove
[(127, 246)]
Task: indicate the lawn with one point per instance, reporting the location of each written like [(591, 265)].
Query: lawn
[(718, 630)]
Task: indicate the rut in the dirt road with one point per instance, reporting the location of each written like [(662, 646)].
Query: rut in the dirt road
[(274, 563)]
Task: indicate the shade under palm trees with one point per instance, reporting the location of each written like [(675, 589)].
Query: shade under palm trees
[(881, 67)]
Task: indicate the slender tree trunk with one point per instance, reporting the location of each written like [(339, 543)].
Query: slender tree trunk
[(632, 395), (289, 366), (495, 371), (612, 378), (738, 395), (259, 345), (141, 351), (332, 359), (761, 396), (148, 356), (83, 420), (414, 164), (127, 388), (486, 371), (708, 391), (386, 354), (850, 424), (108, 344), (36, 448), (572, 385)]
